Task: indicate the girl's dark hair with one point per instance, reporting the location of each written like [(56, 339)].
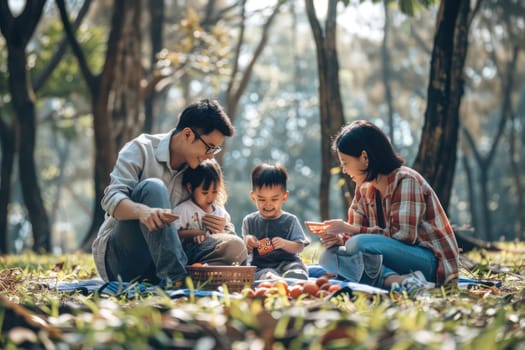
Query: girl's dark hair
[(362, 135), (265, 174), (207, 174), (205, 116)]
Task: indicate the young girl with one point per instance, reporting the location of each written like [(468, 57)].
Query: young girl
[(204, 210)]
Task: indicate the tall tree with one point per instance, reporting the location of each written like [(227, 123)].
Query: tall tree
[(9, 134), (239, 78), (156, 30), (17, 32), (436, 158), (386, 70), (330, 103), (8, 142), (116, 97), (484, 162)]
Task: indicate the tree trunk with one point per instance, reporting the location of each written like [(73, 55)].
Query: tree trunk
[(330, 103), (23, 100), (17, 32), (484, 162), (436, 158), (8, 142), (516, 175), (156, 12), (117, 120), (385, 65), (116, 97), (469, 178)]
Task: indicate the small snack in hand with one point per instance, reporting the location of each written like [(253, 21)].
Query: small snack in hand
[(315, 227), (265, 246), (169, 216)]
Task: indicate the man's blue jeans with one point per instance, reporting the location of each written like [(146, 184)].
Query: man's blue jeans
[(134, 253), (370, 258)]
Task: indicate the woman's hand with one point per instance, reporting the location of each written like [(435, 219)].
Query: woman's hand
[(339, 226), (330, 240), (214, 223)]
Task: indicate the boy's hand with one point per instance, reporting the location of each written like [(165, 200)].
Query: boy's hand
[(251, 242), (279, 242)]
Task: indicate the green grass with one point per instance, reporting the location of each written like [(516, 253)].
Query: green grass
[(33, 316)]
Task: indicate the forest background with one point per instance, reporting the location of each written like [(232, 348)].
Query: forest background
[(120, 68)]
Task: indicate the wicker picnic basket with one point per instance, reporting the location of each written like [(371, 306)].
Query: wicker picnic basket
[(212, 277)]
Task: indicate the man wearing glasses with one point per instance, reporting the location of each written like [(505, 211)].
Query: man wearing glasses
[(138, 240)]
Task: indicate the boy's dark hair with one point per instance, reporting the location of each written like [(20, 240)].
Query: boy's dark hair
[(207, 173), (205, 116), (265, 174), (362, 135)]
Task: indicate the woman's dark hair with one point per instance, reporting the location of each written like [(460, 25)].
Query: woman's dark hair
[(205, 116), (207, 174), (362, 135), (265, 174)]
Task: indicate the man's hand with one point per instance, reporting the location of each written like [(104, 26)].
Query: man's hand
[(214, 223), (155, 218)]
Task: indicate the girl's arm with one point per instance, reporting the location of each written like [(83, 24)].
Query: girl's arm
[(215, 223), (190, 233)]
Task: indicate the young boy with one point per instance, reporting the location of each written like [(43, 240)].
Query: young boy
[(275, 236)]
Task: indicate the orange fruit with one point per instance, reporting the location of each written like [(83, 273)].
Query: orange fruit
[(311, 288), (321, 280), (248, 292), (334, 288), (265, 284), (197, 264), (325, 286), (261, 291), (295, 290)]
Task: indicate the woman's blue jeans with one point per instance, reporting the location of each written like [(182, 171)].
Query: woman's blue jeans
[(370, 258)]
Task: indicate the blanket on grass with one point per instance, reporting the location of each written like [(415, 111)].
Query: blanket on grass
[(132, 289)]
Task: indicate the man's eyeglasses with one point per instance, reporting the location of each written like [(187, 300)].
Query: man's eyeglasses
[(209, 149)]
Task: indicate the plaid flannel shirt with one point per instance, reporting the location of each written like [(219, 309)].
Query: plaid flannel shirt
[(413, 214)]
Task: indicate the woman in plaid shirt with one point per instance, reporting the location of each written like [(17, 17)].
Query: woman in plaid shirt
[(397, 236)]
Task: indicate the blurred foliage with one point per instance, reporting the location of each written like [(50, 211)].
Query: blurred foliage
[(33, 315)]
